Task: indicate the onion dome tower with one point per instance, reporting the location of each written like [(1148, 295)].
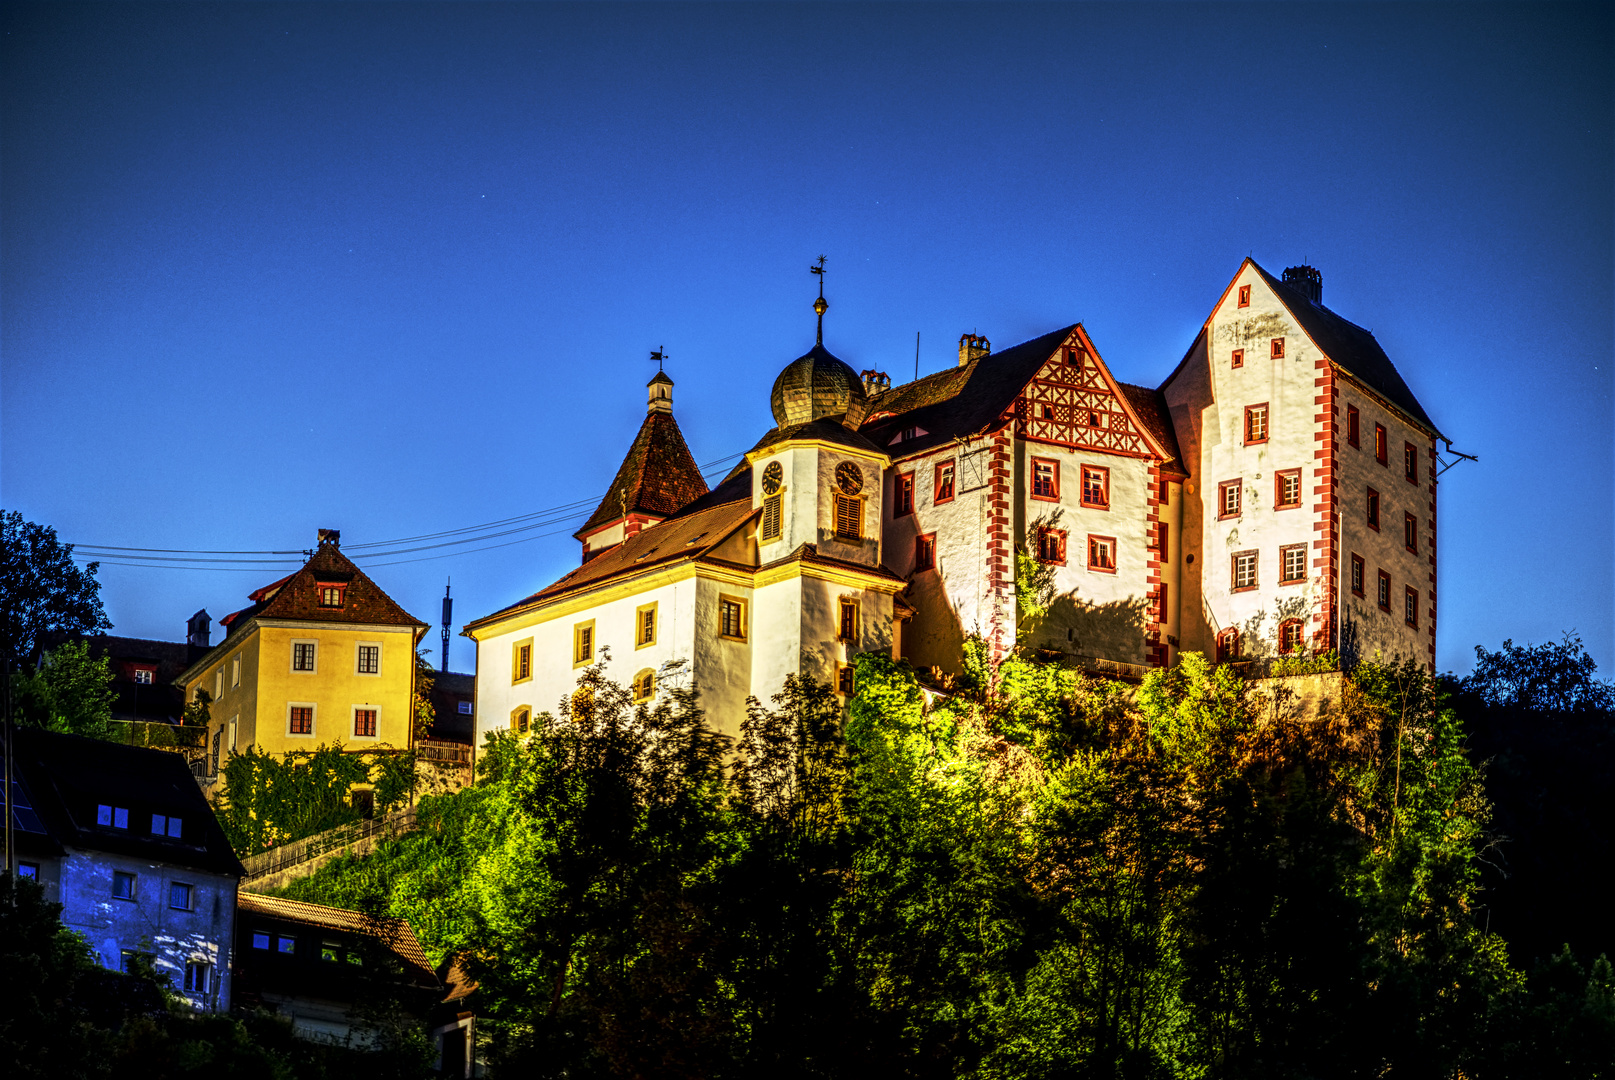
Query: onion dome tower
[(818, 385)]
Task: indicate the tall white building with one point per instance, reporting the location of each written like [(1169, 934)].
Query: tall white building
[(1245, 508)]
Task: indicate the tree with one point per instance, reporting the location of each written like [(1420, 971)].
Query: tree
[(42, 590), (71, 692)]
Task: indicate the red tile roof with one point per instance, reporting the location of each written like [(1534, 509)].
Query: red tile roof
[(297, 596), (657, 477)]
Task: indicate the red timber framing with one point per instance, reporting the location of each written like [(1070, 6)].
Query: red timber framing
[(1326, 545), (1154, 646), (1089, 410), (1000, 545)]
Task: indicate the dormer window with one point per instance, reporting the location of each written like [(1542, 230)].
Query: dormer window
[(331, 595), (114, 817), (145, 676), (906, 434), (163, 825)]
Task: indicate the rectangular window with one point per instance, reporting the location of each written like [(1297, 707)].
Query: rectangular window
[(218, 684), (1372, 509), (849, 622), (944, 482), (1096, 487), (1158, 601), (331, 596), (301, 720), (1384, 591), (1410, 533), (1289, 636), (1410, 607), (285, 944), (1353, 434), (116, 817), (1255, 424), (1102, 554), (28, 870), (644, 625), (166, 825), (1278, 348), (1239, 358), (1358, 573), (1051, 545), (1244, 296), (302, 656), (1047, 412), (849, 517), (180, 896), (369, 660), (1292, 564), (732, 618), (1075, 357), (773, 517), (925, 552), (261, 939), (521, 661), (235, 670), (1243, 570), (1045, 479), (143, 676), (218, 737), (520, 719), (465, 708), (123, 885), (1228, 498), (844, 680), (903, 495), (1286, 489), (364, 723), (197, 976), (1380, 450), (1158, 544), (1410, 462), (583, 643)]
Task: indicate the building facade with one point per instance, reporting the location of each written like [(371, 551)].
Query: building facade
[(1244, 509)]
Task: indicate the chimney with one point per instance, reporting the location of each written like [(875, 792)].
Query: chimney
[(661, 394), (1306, 281), (331, 536), (972, 346), (875, 381), (198, 629)]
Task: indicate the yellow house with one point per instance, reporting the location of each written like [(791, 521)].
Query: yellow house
[(321, 656)]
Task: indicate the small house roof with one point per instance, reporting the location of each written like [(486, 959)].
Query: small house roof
[(395, 932)]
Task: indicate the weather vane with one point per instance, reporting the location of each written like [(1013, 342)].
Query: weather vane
[(821, 305), (658, 355)]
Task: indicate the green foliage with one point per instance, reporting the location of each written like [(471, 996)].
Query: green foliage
[(42, 590), (270, 800), (71, 692), (1305, 665)]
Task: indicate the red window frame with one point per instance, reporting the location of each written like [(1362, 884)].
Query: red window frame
[(1159, 599), (1278, 348), (1381, 445), (1238, 360), (1100, 477), (1101, 549), (1162, 533), (1223, 513), (903, 495), (925, 552), (1371, 509), (1255, 557), (1359, 575), (1299, 551), (1410, 533), (1292, 636), (1252, 411), (300, 720), (1353, 426), (944, 482), (1049, 492), (1050, 546), (1410, 606), (1228, 645), (364, 723), (332, 596), (1278, 489), (1244, 296), (1410, 462), (1384, 594)]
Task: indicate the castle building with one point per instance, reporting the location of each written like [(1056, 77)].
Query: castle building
[(1243, 509), (322, 655)]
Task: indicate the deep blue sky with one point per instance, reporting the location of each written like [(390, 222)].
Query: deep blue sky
[(397, 269)]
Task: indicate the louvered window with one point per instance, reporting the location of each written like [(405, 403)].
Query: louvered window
[(849, 620), (773, 517), (849, 516)]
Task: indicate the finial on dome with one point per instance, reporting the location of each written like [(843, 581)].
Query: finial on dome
[(821, 305)]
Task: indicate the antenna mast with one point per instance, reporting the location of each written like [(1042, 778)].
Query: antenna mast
[(448, 620)]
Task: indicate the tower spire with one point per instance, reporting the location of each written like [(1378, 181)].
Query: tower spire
[(821, 305)]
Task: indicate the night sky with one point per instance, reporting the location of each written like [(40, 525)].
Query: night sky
[(397, 270)]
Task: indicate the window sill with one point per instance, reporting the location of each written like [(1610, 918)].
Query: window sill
[(1101, 569), (645, 645), (1255, 442), (1094, 506), (731, 637), (1245, 588), (1046, 498), (1293, 581), (1288, 506)]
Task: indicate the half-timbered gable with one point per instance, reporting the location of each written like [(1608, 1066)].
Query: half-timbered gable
[(1073, 400)]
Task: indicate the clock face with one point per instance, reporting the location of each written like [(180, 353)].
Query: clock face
[(848, 479), (772, 476)]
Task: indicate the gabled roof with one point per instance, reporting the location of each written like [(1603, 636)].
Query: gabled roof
[(395, 932), (68, 776), (657, 477), (1349, 346), (1151, 409), (297, 596)]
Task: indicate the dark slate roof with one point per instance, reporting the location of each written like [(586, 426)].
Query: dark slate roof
[(831, 388), (68, 776), (1351, 347), (658, 476), (960, 402), (828, 430), (1151, 407)]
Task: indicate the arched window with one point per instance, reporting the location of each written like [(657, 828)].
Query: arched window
[(1228, 645), (521, 720), (644, 686), (1291, 639)]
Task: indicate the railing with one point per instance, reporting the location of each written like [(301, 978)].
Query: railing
[(286, 856), (158, 735), (442, 750)]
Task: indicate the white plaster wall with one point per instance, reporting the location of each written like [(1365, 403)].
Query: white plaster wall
[(147, 924), (1376, 631), (1171, 512), (723, 666), (776, 625), (1189, 400)]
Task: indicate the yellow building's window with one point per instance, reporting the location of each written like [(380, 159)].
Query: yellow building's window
[(520, 720), (218, 683), (644, 686), (235, 670), (732, 618), (303, 656), (644, 626), (583, 643), (521, 661)]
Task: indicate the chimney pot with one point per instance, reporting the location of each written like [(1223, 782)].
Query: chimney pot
[(331, 536), (1305, 280), (972, 346), (198, 629)]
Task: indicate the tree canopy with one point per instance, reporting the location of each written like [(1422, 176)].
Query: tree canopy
[(42, 589)]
